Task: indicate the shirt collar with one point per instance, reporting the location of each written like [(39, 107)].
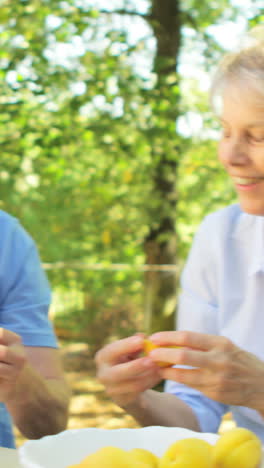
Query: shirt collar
[(250, 229)]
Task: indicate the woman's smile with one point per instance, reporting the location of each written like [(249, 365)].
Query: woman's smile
[(247, 183), (241, 147)]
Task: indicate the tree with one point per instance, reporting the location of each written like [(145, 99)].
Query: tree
[(91, 154), (168, 20)]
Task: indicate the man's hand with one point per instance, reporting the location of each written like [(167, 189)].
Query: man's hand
[(12, 361), (124, 374), (221, 370), (32, 386)]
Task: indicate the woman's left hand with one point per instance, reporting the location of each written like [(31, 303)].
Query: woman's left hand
[(222, 371)]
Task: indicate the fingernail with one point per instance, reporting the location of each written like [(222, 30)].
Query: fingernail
[(136, 339), (155, 337), (147, 362)]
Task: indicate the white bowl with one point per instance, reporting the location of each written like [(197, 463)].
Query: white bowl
[(71, 446)]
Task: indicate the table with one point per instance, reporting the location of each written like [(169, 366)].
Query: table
[(9, 458)]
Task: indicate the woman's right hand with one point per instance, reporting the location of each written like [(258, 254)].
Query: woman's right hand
[(123, 372)]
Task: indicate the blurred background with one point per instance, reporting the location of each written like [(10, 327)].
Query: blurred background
[(108, 159)]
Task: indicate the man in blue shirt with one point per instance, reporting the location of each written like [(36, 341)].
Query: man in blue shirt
[(33, 392)]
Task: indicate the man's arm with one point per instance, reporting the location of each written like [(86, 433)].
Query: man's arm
[(38, 401)]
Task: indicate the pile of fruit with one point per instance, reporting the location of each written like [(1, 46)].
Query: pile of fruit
[(237, 448)]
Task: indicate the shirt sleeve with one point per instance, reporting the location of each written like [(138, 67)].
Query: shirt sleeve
[(198, 312), (25, 294)]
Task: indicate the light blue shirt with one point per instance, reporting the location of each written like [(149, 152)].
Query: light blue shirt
[(223, 294), (24, 298)]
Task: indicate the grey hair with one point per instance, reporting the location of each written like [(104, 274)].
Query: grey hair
[(245, 65)]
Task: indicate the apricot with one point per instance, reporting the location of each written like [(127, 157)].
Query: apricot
[(188, 453), (238, 447), (148, 346), (144, 456), (114, 457)]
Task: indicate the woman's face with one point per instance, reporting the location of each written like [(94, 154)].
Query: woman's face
[(241, 147)]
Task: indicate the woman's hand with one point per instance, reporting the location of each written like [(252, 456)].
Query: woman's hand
[(222, 371), (124, 374)]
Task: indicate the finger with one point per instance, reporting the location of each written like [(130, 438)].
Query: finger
[(6, 371), (6, 354), (126, 371), (190, 377), (183, 356), (113, 352), (8, 337), (201, 341), (133, 386), (13, 354), (143, 335)]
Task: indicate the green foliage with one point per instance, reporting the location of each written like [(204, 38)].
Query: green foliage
[(99, 316), (85, 137), (204, 188)]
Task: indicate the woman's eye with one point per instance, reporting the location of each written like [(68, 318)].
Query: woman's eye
[(225, 133), (257, 138)]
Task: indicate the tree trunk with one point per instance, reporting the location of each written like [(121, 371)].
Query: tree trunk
[(161, 242)]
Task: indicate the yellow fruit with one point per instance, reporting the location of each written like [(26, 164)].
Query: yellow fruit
[(144, 456), (106, 457), (237, 448), (111, 457), (148, 346), (188, 453)]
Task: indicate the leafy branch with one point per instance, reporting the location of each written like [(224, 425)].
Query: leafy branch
[(123, 11)]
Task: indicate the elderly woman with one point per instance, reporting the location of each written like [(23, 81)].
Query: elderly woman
[(219, 365)]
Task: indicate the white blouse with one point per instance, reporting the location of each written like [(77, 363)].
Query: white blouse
[(223, 294)]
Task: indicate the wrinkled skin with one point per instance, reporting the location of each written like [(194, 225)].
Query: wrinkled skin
[(123, 372), (223, 371)]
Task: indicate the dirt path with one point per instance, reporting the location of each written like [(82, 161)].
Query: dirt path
[(89, 407)]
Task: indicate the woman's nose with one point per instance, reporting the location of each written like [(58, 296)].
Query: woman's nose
[(233, 152)]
